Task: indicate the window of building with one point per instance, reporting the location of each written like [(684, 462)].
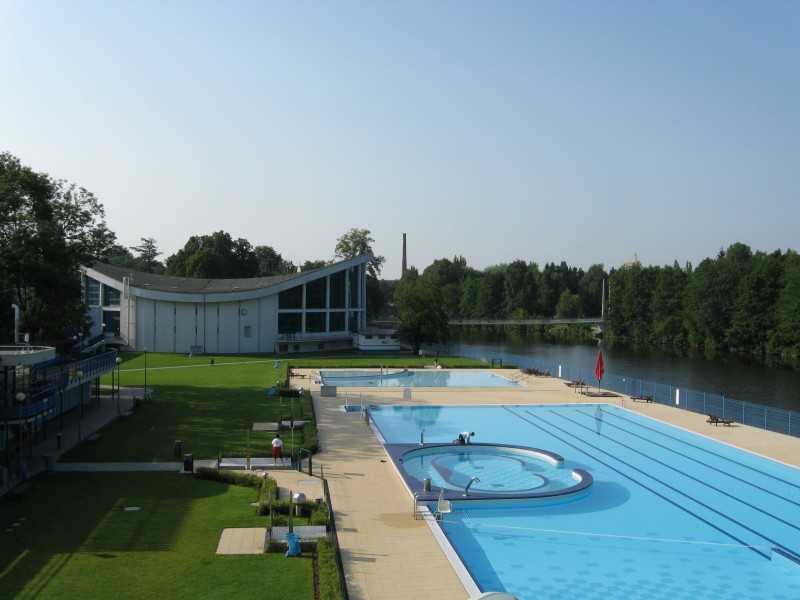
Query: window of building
[(316, 293), (92, 292), (291, 322), (248, 331), (337, 290), (291, 298), (336, 321), (110, 297), (315, 322)]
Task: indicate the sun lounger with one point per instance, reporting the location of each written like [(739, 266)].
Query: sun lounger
[(642, 398), (715, 420), (577, 383)]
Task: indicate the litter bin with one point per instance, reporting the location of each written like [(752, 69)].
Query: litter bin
[(59, 441), (426, 485), (176, 448), (293, 544), (188, 463), (48, 463)]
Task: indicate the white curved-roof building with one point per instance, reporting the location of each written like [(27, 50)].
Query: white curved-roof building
[(301, 312)]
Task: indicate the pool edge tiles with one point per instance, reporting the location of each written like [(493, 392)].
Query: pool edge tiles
[(398, 453)]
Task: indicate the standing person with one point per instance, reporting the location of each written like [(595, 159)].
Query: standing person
[(277, 449), (465, 436)]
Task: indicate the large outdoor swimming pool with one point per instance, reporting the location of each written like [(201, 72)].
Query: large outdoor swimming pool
[(670, 514), (421, 378)]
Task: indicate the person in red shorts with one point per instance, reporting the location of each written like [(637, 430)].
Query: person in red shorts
[(277, 448)]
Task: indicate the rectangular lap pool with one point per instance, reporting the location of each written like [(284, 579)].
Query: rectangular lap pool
[(421, 378), (669, 514)]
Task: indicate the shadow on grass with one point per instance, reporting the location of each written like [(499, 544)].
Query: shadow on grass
[(207, 421), (73, 514)]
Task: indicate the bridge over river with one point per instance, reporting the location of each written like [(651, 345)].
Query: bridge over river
[(393, 324)]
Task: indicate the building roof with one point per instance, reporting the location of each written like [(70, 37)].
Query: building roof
[(192, 285), (188, 285)]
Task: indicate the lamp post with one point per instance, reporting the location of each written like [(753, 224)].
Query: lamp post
[(145, 373), (119, 362), (79, 375)]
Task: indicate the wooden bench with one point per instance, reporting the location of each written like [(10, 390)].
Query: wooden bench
[(21, 490), (642, 398), (91, 439)]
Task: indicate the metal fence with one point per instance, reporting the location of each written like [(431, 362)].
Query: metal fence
[(747, 413)]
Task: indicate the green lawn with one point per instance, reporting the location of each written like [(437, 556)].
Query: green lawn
[(78, 541), (72, 537)]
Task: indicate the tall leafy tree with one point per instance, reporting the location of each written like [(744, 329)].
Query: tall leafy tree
[(520, 288), (50, 229), (422, 313), (448, 275), (591, 288), (667, 305), (148, 254), (785, 337), (271, 262), (215, 256), (358, 242)]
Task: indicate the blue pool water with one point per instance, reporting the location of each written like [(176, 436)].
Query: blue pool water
[(670, 514), (423, 378)]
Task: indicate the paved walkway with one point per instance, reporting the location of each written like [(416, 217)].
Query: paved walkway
[(390, 555)]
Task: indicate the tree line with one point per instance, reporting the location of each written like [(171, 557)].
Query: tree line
[(741, 300)]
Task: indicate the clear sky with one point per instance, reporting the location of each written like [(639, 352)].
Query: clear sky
[(547, 131)]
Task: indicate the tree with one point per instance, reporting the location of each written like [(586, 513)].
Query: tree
[(119, 255), (271, 262), (50, 230), (148, 252), (311, 265), (448, 276), (422, 314), (569, 305), (215, 256), (358, 242), (786, 336)]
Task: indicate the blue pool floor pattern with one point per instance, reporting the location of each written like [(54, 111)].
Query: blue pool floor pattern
[(645, 474)]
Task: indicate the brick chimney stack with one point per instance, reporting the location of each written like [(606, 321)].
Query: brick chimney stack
[(403, 269)]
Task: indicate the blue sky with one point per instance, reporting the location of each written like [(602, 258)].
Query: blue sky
[(585, 132)]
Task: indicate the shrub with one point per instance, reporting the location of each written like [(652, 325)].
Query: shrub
[(330, 586)]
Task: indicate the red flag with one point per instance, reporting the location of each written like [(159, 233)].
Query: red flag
[(599, 370)]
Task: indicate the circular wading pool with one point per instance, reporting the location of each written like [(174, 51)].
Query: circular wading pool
[(486, 471)]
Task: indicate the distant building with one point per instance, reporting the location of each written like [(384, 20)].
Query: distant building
[(315, 310)]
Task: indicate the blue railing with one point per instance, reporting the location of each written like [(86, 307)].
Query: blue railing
[(747, 413), (41, 394)]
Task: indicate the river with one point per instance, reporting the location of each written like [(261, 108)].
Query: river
[(735, 377)]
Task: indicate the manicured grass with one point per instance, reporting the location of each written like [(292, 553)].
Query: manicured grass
[(78, 541), (211, 410)]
